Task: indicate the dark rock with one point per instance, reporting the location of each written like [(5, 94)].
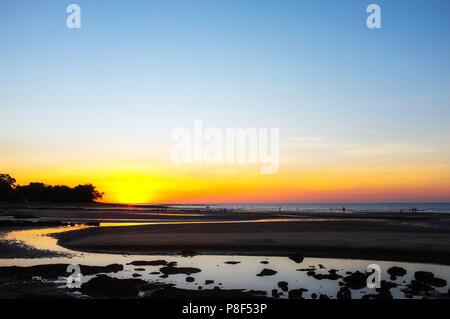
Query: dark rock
[(296, 293), (190, 279), (155, 273), (384, 294), (356, 280), (423, 275), (323, 297), (148, 263), (266, 272), (232, 262), (437, 282), (307, 269), (92, 270), (298, 258), (172, 264), (179, 270), (104, 286), (139, 269), (265, 262), (396, 272), (344, 294), (207, 282), (419, 286), (332, 276), (313, 296), (137, 275), (283, 285), (275, 293)]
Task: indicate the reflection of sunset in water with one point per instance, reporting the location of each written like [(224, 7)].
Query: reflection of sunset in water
[(214, 267)]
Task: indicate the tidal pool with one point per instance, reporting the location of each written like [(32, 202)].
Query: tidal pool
[(232, 271)]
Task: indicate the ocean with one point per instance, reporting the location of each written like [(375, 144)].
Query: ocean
[(326, 207)]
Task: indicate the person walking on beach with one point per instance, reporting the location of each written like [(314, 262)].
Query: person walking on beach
[(343, 209)]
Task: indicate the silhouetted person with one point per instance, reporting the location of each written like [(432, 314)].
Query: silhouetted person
[(343, 209)]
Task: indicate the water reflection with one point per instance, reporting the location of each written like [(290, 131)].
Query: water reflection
[(242, 275)]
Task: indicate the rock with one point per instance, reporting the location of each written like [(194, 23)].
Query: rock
[(296, 293), (419, 286), (307, 269), (104, 286), (232, 262), (92, 270), (323, 297), (275, 293), (384, 294), (283, 285), (137, 275), (344, 294), (423, 275), (155, 273), (437, 282), (208, 281), (396, 272), (298, 258), (172, 264), (139, 269), (148, 263), (265, 262), (179, 270), (356, 280), (190, 279), (332, 276), (266, 272), (313, 296)]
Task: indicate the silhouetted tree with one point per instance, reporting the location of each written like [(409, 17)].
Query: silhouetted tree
[(39, 192), (7, 184)]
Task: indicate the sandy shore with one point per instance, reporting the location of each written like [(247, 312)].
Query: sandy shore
[(420, 240), (398, 236)]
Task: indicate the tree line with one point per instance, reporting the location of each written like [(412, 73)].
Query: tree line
[(40, 192)]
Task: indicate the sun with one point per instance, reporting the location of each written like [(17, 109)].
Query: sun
[(131, 190)]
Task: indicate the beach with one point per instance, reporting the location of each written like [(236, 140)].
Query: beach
[(162, 252)]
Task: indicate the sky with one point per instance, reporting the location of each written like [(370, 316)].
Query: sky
[(363, 113)]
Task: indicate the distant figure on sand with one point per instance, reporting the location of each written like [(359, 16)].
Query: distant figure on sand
[(343, 209)]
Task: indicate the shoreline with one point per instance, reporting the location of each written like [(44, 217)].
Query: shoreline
[(332, 239)]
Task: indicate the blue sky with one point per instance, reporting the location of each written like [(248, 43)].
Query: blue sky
[(136, 70)]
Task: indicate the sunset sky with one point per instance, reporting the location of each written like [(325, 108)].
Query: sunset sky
[(364, 115)]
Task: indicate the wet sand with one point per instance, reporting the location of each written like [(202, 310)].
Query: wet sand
[(425, 240), (401, 236)]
